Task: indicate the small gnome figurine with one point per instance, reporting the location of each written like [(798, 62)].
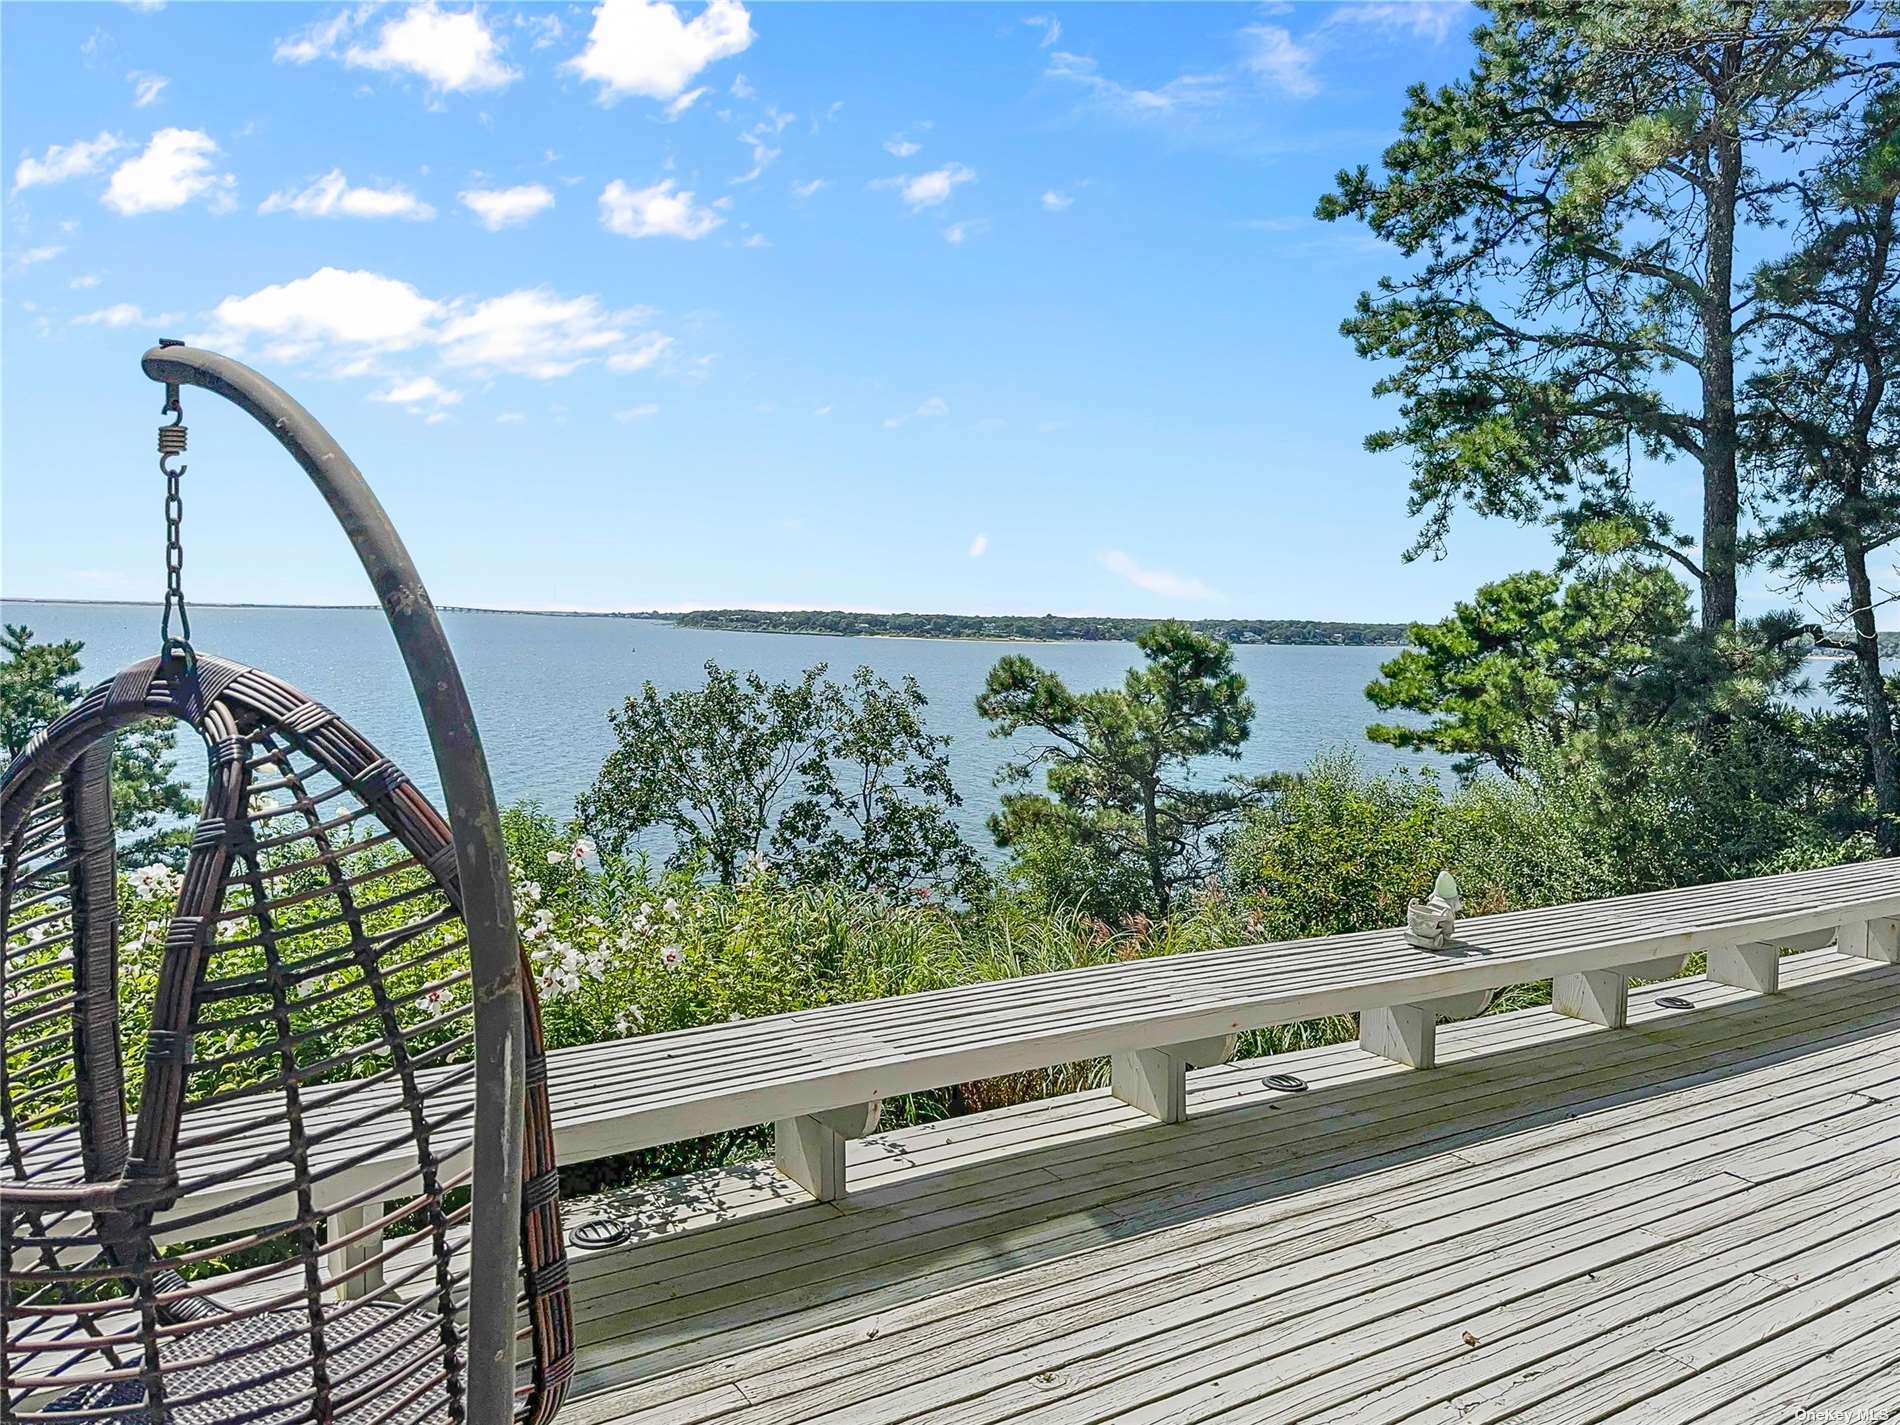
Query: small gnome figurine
[(1429, 923)]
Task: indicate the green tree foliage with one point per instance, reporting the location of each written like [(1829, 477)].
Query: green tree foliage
[(1823, 419), (1528, 663), (875, 814), (1121, 794), (1333, 849), (1760, 792), (1573, 208), (38, 681), (834, 782)]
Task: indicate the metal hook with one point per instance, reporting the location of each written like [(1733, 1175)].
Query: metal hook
[(171, 438)]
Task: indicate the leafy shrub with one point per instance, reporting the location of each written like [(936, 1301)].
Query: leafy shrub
[(1337, 850)]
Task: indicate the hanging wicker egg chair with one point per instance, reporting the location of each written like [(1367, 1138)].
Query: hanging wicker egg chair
[(291, 1160)]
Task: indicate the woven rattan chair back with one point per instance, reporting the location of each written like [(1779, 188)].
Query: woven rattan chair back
[(236, 1155)]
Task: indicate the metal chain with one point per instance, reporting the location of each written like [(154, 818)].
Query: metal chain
[(171, 443)]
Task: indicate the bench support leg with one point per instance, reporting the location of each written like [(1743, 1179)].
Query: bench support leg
[(809, 1149), (1155, 1080), (1404, 1033), (350, 1258), (1598, 996), (1871, 940), (1747, 967)]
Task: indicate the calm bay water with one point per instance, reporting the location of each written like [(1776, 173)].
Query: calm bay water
[(542, 686)]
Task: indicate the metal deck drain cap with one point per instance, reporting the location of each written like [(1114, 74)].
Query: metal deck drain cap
[(1285, 1083), (1675, 1002), (599, 1232)]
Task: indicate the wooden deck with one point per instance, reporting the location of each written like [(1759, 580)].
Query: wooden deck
[(1696, 1217)]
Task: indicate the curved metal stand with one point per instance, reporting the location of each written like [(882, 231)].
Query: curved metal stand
[(481, 860)]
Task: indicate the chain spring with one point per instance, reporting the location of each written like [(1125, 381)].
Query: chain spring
[(171, 443)]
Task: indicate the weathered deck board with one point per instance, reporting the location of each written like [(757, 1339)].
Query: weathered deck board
[(1694, 1215)]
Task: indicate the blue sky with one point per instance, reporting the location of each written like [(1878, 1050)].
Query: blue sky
[(941, 307)]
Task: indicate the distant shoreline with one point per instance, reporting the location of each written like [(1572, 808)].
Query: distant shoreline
[(831, 623), (1040, 628)]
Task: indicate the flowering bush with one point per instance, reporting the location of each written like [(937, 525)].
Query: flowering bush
[(618, 949)]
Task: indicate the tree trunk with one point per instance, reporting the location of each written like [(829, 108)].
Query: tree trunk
[(1720, 489), (1873, 693), (1151, 834)]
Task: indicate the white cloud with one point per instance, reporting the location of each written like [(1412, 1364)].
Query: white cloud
[(500, 208), (979, 546), (822, 411), (64, 161), (757, 240), (120, 314), (1055, 202), (758, 138), (1156, 581), (643, 47), (360, 310), (742, 88), (84, 281), (33, 256), (932, 407), (806, 189), (331, 196), (928, 190), (1281, 61), (654, 211), (641, 353), (957, 233), (1184, 94), (538, 334), (315, 40), (543, 29), (417, 390), (146, 88), (454, 50), (637, 413), (900, 147), (174, 169), (353, 319), (1407, 19), (686, 101), (1050, 26)]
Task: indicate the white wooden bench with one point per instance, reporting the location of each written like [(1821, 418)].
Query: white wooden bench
[(820, 1075)]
